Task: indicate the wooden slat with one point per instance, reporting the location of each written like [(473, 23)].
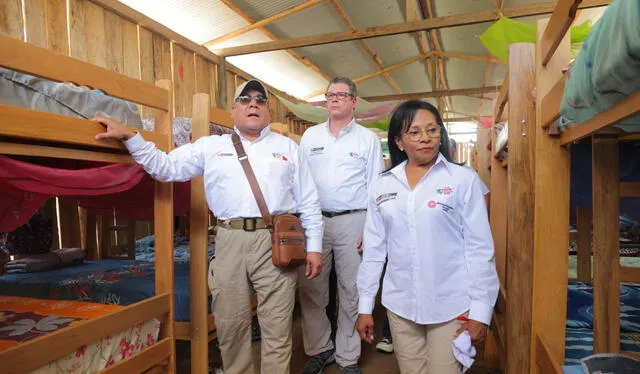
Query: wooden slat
[(551, 103), (630, 189), (502, 99), (130, 51), (422, 95), (545, 361), (65, 153), (400, 28), (559, 23), (163, 230), (619, 112), (23, 57), (35, 353), (629, 138), (35, 26), (11, 22), (635, 355), (220, 117), (519, 282), (114, 40), (30, 124), (629, 274), (56, 26), (96, 38), (198, 239), (183, 80), (143, 360), (77, 29), (584, 219), (498, 214), (606, 254)]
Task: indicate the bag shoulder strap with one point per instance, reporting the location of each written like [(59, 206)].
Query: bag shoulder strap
[(251, 177)]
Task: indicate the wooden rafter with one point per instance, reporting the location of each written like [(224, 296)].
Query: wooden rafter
[(421, 41), (440, 93), (433, 35), (263, 22), (305, 61), (379, 72), (378, 61), (464, 56), (402, 28), (488, 69)]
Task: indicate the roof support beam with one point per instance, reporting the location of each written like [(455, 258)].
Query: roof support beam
[(376, 59), (306, 62), (424, 95), (433, 35), (411, 11), (259, 24), (401, 28)]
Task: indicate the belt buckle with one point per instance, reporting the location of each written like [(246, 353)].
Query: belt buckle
[(249, 224)]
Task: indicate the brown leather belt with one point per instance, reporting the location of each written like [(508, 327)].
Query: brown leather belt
[(246, 224), (335, 214)]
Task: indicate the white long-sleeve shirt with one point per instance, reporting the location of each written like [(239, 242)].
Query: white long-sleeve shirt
[(343, 167), (437, 243), (284, 179)]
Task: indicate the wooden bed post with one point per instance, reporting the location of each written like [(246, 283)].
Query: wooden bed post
[(198, 239), (551, 212), (498, 212), (163, 230), (584, 221), (606, 252)]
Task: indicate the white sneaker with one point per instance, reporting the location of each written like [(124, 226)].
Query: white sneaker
[(385, 346)]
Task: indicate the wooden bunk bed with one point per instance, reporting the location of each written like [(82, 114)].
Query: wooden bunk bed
[(530, 210), (41, 134)]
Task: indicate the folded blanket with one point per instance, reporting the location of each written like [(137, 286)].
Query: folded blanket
[(45, 261)]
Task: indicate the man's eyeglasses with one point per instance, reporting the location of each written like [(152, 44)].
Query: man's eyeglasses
[(246, 99), (338, 95), (431, 132)]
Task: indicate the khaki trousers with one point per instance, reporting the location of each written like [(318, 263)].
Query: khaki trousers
[(341, 235), (243, 262), (424, 349)]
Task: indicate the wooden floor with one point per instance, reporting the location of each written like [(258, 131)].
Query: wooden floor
[(371, 361)]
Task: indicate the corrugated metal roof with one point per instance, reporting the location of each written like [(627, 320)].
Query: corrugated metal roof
[(260, 9), (412, 78), (344, 59)]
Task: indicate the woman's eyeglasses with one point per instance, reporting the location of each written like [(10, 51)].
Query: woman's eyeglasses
[(338, 95), (416, 134), (246, 99)]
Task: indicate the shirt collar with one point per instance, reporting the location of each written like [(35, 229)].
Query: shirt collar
[(399, 173), (263, 134), (344, 130)]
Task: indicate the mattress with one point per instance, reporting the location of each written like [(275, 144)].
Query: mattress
[(607, 69), (23, 319)]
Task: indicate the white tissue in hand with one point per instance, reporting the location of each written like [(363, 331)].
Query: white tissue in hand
[(463, 351)]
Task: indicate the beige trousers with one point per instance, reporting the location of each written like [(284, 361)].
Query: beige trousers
[(243, 262), (340, 240), (424, 349)]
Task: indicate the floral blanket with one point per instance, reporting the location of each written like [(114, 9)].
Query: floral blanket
[(23, 319)]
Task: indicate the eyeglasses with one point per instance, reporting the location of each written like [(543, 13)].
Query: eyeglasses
[(338, 95), (246, 99), (431, 132)]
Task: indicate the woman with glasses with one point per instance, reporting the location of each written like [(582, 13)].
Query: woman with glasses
[(427, 219)]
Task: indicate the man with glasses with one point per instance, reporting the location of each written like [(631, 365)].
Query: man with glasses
[(344, 158), (243, 244)]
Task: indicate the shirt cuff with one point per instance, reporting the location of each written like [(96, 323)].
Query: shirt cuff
[(314, 245), (481, 312), (365, 305), (134, 143)]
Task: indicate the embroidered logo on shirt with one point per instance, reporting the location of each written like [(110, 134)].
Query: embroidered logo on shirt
[(316, 151), (224, 154), (354, 155), (445, 190), (445, 208), (386, 197), (280, 156)]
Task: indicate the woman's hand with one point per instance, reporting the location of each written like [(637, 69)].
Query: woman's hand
[(477, 330), (115, 130), (365, 327)]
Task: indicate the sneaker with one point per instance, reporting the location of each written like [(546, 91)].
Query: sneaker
[(385, 346), (351, 369), (318, 362)]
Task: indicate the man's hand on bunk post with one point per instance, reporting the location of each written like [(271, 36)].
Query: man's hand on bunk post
[(115, 130), (314, 264)]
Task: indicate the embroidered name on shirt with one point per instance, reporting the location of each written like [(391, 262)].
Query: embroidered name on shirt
[(316, 151), (445, 208), (445, 190), (224, 154), (386, 197), (280, 156)]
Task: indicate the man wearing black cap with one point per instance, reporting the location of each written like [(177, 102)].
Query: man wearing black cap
[(243, 258)]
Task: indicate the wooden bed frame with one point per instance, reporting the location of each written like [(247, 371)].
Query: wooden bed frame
[(27, 132), (530, 210)]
